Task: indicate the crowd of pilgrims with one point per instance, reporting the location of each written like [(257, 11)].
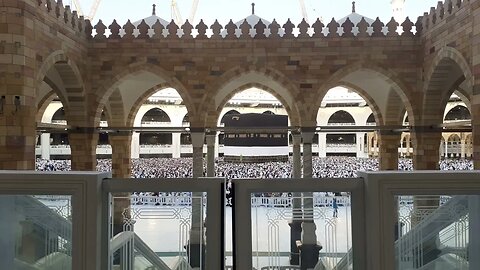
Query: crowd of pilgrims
[(329, 167)]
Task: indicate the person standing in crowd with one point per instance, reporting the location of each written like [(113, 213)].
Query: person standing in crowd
[(335, 207)]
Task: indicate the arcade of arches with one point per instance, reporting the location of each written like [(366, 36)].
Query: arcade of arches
[(54, 56)]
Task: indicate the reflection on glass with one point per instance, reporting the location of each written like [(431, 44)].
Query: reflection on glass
[(35, 232), (309, 229), (434, 232), (153, 230)]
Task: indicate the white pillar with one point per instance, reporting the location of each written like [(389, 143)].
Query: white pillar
[(446, 149), (217, 145), (322, 144), (45, 145), (176, 147), (359, 142), (135, 145)]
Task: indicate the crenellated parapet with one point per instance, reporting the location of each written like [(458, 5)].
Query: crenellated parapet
[(442, 13), (258, 31), (66, 18)]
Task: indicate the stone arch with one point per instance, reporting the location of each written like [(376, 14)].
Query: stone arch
[(143, 98), (152, 78), (354, 76), (116, 116), (67, 84), (341, 113), (43, 104), (293, 117), (241, 78), (447, 72), (370, 101)]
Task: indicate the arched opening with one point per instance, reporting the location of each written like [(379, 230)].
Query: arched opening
[(159, 112), (345, 106), (448, 74), (268, 112), (371, 120), (454, 144), (458, 113), (341, 118), (155, 117), (59, 139), (242, 145)]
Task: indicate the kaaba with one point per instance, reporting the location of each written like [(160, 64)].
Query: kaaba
[(242, 145)]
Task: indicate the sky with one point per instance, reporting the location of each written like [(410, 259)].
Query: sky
[(224, 10)]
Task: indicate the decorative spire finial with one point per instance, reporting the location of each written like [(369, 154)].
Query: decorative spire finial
[(253, 8), (153, 11), (353, 7)]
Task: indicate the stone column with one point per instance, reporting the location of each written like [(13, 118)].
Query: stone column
[(426, 156), (45, 145), (196, 246), (476, 125), (388, 159), (296, 222), (426, 153), (121, 152), (211, 138), (17, 89), (309, 248), (475, 99), (121, 168), (198, 139), (307, 136), (83, 144)]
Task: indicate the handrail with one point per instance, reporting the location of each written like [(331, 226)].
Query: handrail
[(122, 238)]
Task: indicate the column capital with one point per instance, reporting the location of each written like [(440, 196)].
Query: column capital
[(307, 134), (198, 138)]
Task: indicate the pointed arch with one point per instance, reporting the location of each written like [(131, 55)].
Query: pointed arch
[(241, 78), (447, 72), (63, 76), (377, 82), (341, 117), (145, 78)]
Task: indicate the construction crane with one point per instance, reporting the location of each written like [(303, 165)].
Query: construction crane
[(193, 11), (177, 16), (93, 9), (304, 10)]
